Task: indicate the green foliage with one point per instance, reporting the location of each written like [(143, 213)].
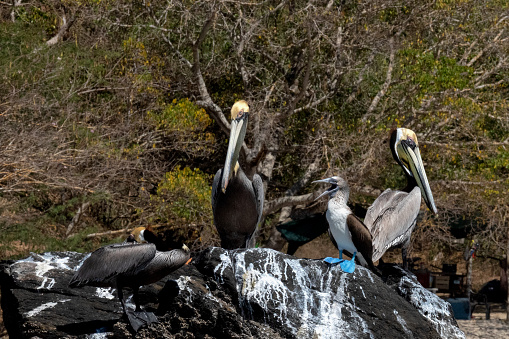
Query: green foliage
[(493, 128), (185, 124), (31, 15), (19, 240), (51, 73), (184, 195), (181, 116), (430, 73)]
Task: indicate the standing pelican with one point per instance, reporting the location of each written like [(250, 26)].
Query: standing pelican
[(349, 233), (392, 217), (237, 202), (130, 265)]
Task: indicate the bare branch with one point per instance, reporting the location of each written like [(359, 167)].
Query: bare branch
[(474, 59), (501, 63), (387, 83), (76, 219), (66, 25), (276, 204)]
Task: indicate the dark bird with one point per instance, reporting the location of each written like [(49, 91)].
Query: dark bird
[(131, 265), (392, 217), (301, 231), (350, 234), (237, 202)]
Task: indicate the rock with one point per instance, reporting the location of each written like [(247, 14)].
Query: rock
[(437, 311), (257, 293)]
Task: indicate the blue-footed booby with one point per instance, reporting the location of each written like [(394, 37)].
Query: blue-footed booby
[(237, 202), (392, 217), (131, 265), (349, 233)]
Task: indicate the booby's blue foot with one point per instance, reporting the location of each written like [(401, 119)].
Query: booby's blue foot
[(348, 266), (332, 260)]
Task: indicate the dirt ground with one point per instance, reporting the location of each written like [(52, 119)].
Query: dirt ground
[(480, 328)]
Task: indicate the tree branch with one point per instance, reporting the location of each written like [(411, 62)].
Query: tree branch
[(66, 25), (276, 204), (387, 83)]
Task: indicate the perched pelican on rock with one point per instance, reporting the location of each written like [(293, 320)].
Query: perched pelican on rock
[(349, 233), (132, 265), (392, 217), (237, 202)]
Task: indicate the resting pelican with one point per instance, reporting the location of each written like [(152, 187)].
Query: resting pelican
[(349, 233), (237, 202), (130, 265), (392, 217)]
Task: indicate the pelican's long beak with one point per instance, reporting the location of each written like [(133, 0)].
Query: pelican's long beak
[(411, 158), (237, 134), (334, 187)]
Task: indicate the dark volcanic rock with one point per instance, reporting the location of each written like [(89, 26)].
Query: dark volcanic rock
[(256, 293)]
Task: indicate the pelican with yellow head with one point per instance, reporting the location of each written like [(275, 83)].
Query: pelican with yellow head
[(392, 217), (237, 201)]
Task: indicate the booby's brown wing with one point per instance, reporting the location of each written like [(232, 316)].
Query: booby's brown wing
[(109, 261), (361, 237)]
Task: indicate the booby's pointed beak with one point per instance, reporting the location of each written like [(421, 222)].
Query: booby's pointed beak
[(237, 134), (411, 158), (333, 189)]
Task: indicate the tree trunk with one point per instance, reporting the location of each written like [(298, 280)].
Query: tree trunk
[(469, 284), (505, 275)]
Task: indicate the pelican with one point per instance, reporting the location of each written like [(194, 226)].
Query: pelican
[(237, 202), (392, 217), (349, 233), (131, 265)]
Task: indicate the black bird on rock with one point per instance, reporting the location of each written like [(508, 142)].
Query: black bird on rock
[(129, 264)]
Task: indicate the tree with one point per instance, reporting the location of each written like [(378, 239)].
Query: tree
[(98, 113)]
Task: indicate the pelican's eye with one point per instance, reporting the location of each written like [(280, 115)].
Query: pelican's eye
[(411, 143), (240, 114)]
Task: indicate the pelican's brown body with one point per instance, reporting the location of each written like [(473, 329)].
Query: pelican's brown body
[(129, 265), (237, 202)]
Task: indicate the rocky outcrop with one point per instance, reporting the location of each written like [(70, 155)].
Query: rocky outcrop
[(258, 293)]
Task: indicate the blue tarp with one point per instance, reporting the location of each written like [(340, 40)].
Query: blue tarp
[(460, 307)]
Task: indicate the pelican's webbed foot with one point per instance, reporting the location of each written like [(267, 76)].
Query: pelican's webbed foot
[(348, 266), (138, 319)]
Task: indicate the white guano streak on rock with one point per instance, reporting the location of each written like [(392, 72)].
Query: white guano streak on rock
[(332, 312), (43, 307), (265, 287), (432, 308), (103, 335), (43, 264), (261, 286), (225, 263), (403, 325), (105, 292), (183, 283)]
